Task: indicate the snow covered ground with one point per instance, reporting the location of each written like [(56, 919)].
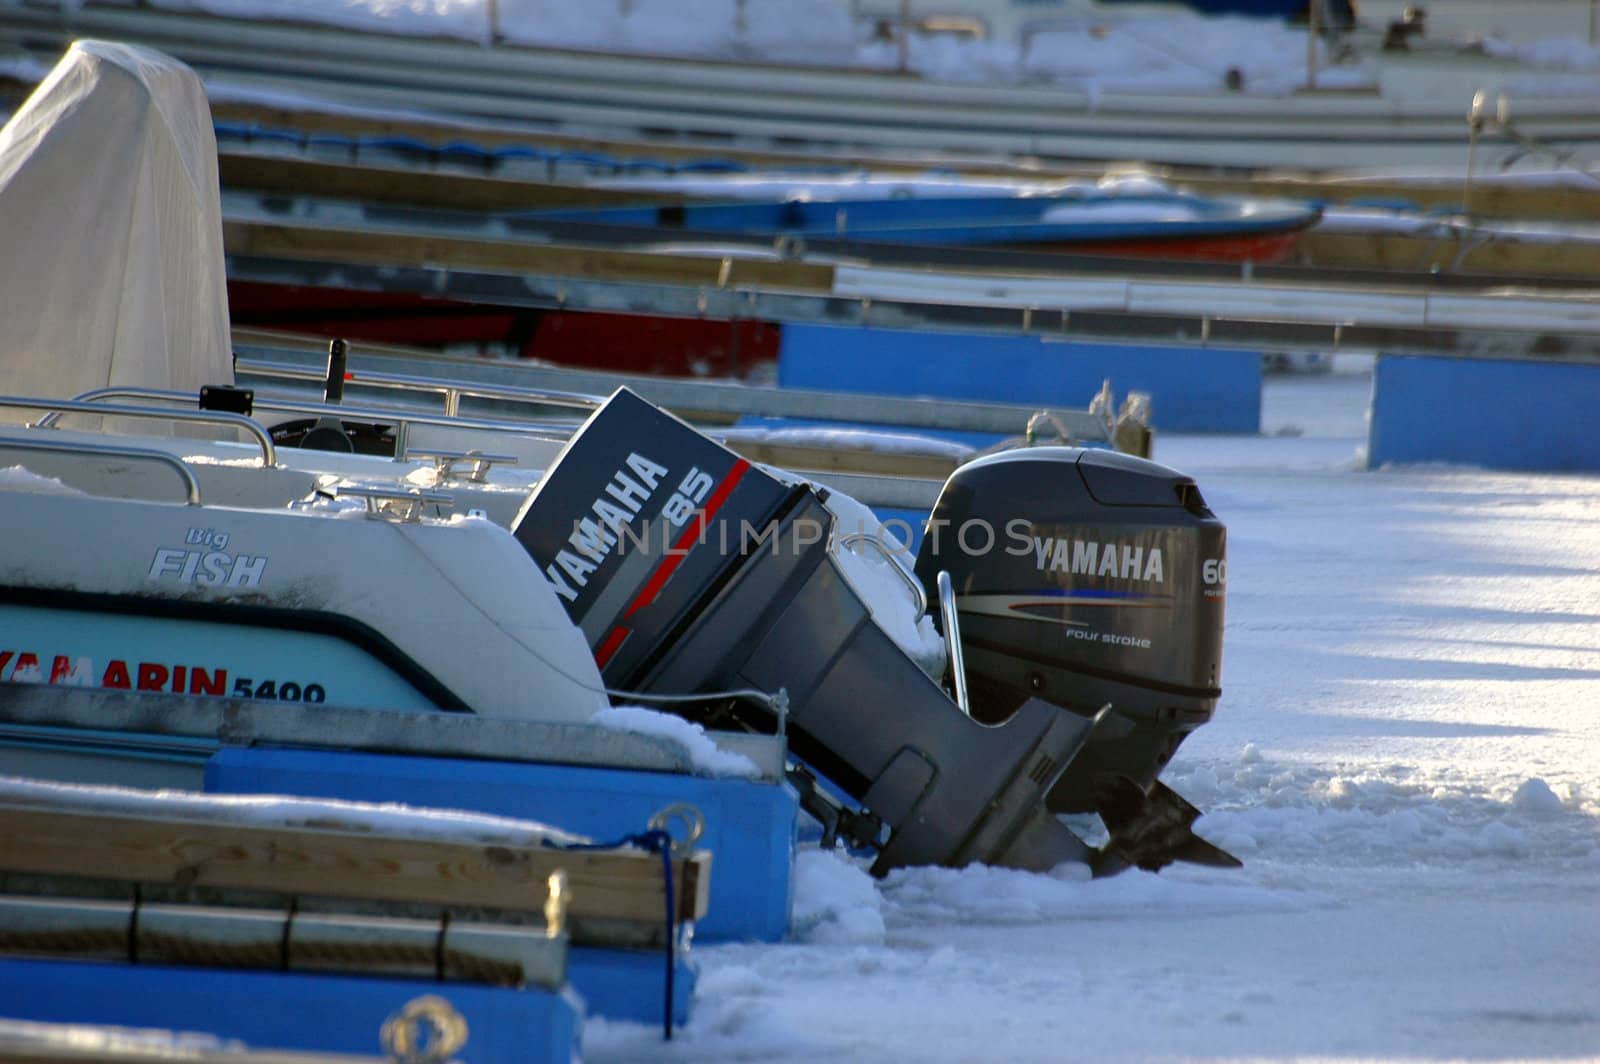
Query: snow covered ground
[(1406, 755)]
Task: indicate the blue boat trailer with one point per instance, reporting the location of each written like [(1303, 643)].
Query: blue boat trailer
[(598, 782)]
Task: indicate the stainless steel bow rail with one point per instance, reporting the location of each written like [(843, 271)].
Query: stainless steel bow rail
[(59, 407), (275, 357), (191, 486)]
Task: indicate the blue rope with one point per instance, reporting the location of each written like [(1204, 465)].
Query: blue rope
[(655, 840)]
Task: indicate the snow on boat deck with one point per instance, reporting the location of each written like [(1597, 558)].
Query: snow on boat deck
[(1406, 755)]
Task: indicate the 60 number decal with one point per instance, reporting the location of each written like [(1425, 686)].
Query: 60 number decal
[(1214, 571)]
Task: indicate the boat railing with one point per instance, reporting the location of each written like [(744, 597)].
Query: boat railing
[(451, 391), (90, 403), (98, 401), (191, 486), (893, 488)]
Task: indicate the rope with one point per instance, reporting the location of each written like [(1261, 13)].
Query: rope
[(655, 840)]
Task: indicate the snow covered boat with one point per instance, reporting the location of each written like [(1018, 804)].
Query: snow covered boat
[(325, 621), (1164, 224), (593, 574), (144, 273), (649, 561)]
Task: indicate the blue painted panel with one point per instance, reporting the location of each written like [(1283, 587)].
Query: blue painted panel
[(283, 1010), (1499, 415), (623, 984), (1191, 390), (750, 827)]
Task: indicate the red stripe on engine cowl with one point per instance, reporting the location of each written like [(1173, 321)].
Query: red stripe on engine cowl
[(681, 547), (612, 644)]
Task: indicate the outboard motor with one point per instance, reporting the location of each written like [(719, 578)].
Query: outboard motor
[(692, 571), (1094, 581), (1085, 578)]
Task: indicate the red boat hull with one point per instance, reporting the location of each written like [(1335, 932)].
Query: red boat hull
[(630, 343), (1263, 249)]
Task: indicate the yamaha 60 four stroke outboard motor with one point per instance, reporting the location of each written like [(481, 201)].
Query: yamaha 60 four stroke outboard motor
[(1099, 582), (1094, 581), (690, 571)]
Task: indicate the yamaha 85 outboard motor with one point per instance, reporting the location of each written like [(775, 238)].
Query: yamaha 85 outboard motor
[(691, 571)]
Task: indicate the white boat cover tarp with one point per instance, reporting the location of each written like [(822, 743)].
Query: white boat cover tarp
[(110, 218)]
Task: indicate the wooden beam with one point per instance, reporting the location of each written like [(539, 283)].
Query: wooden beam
[(289, 175), (85, 1043), (490, 135), (605, 885), (328, 243), (817, 458), (1489, 200), (1453, 253)]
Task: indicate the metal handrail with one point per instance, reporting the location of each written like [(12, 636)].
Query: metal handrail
[(89, 403), (535, 430), (952, 641), (852, 538), (452, 391), (190, 484), (403, 420)]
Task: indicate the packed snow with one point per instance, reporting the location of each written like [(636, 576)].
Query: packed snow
[(1406, 756), (21, 478), (701, 749), (285, 811)]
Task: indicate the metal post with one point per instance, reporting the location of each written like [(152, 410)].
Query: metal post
[(1475, 122), (1313, 29), (338, 366), (902, 37), (952, 640)]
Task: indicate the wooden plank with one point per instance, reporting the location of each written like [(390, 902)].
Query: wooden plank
[(490, 135), (816, 458), (1452, 254), (1488, 200), (418, 187), (83, 1043), (605, 885), (390, 248)]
